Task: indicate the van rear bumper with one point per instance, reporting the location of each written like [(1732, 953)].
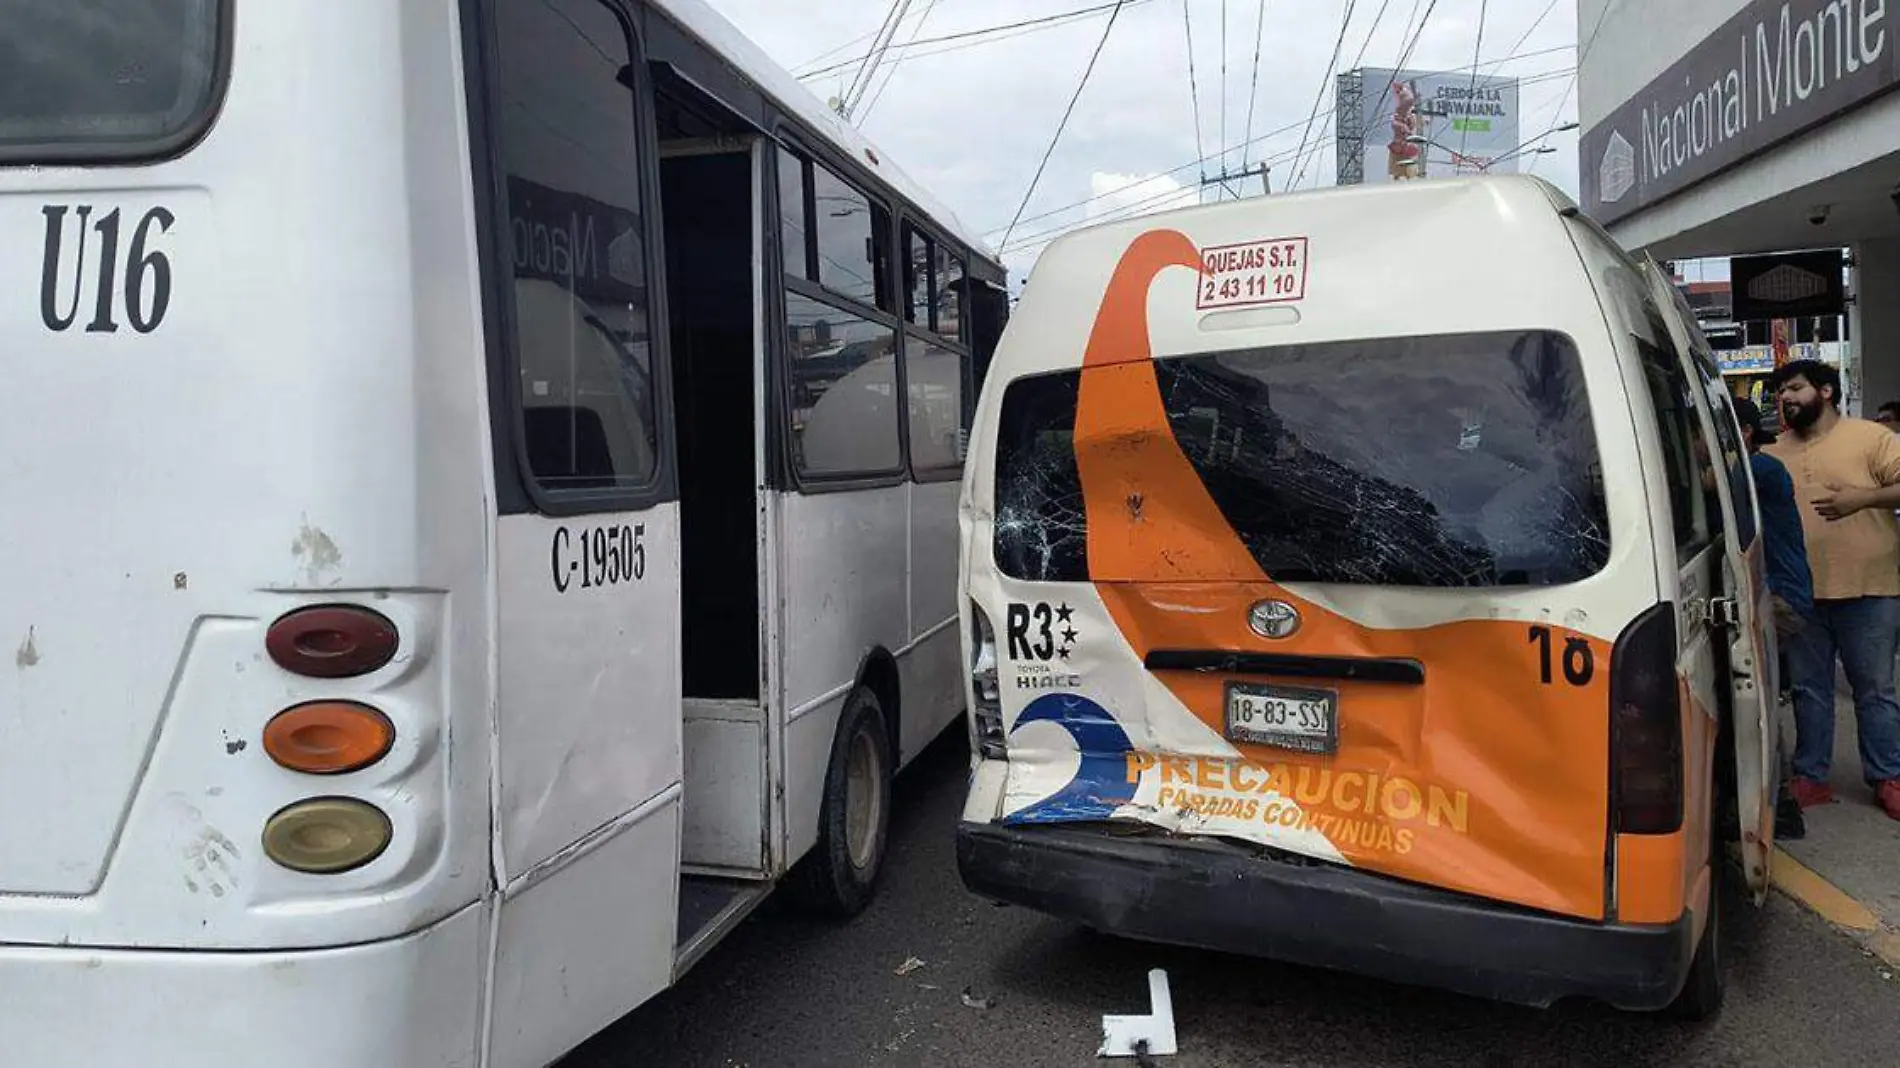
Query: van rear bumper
[(1208, 896)]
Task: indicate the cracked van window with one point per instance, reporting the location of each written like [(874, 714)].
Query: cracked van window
[(1451, 461), (105, 77), (1041, 530)]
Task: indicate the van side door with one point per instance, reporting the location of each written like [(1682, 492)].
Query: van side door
[(1743, 610)]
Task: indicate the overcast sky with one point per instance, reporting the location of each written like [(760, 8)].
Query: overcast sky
[(971, 118)]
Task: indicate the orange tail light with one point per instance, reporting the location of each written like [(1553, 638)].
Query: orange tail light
[(328, 737)]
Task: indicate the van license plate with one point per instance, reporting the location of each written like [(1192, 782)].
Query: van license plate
[(1284, 716)]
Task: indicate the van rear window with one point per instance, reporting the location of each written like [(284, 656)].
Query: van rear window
[(106, 78), (1461, 460)]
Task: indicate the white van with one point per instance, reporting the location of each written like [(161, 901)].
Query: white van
[(1369, 579)]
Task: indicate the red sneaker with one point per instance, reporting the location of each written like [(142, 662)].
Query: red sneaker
[(1888, 794), (1810, 794)]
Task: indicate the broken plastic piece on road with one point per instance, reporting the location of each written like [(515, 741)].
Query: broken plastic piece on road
[(974, 1001), (910, 965), (1134, 1036)]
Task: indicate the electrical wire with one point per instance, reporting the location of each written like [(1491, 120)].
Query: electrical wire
[(879, 48), (1356, 61), (1367, 43), (1194, 89), (1253, 89), (1044, 22), (1325, 74), (1269, 135), (1583, 51), (1471, 91), (1224, 94), (1126, 211), (890, 76), (1526, 35), (1405, 56), (1064, 124), (1188, 166)]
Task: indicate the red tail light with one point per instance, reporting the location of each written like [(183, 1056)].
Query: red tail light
[(332, 641), (1646, 777)]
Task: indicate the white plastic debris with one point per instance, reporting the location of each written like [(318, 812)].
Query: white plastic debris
[(1153, 1034)]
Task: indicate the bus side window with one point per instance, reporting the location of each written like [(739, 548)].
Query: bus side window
[(571, 146)]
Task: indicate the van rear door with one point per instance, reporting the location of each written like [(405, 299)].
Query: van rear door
[(1351, 599)]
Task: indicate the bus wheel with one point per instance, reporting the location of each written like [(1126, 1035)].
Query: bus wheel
[(838, 878), (1701, 995)]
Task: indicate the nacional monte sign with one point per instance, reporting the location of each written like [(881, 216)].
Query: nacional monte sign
[(1773, 71)]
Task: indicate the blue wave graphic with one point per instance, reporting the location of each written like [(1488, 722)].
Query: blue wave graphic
[(1100, 785)]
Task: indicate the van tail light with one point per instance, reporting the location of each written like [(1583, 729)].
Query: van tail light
[(332, 641), (1646, 775), (986, 715), (328, 737)]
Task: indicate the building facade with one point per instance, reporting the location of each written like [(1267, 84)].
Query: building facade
[(1722, 127)]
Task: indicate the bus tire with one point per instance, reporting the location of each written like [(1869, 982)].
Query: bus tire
[(839, 877), (1701, 996)]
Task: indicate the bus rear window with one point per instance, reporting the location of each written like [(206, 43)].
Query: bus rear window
[(1449, 461), (106, 79)]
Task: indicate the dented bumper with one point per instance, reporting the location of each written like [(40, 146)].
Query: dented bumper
[(1212, 896)]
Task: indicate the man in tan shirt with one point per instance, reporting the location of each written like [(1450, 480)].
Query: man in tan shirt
[(1847, 484)]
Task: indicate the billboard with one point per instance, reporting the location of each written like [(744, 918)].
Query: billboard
[(1422, 124)]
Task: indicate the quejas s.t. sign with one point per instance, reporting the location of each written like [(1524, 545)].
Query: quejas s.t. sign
[(1773, 71)]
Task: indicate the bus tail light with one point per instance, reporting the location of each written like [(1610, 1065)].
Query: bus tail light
[(1646, 774), (328, 737), (987, 712), (327, 835), (332, 641)]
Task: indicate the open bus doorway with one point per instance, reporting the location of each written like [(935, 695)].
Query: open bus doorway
[(712, 222)]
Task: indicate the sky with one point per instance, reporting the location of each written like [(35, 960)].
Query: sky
[(972, 118)]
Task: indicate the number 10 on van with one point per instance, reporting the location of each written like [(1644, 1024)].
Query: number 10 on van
[(1256, 272)]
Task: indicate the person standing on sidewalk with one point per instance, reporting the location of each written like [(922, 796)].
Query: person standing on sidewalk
[(1784, 548), (1847, 478)]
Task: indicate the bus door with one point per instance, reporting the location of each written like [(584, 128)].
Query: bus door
[(711, 183)]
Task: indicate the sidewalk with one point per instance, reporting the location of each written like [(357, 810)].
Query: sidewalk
[(1847, 868)]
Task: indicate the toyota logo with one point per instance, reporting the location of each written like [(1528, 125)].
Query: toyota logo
[(1273, 619)]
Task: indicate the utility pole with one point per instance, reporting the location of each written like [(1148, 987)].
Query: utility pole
[(1265, 172)]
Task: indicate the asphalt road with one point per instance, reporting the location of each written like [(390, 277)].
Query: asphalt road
[(785, 992)]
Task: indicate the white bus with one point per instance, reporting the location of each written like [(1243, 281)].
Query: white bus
[(482, 482)]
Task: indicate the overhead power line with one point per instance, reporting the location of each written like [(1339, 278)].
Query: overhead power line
[(1477, 50), (1121, 212), (1064, 124), (1253, 88), (1583, 51), (1201, 160), (1194, 83), (1272, 133), (1045, 22), (1326, 75), (1223, 80), (1405, 56), (1526, 35), (880, 49), (1370, 34), (891, 74)]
